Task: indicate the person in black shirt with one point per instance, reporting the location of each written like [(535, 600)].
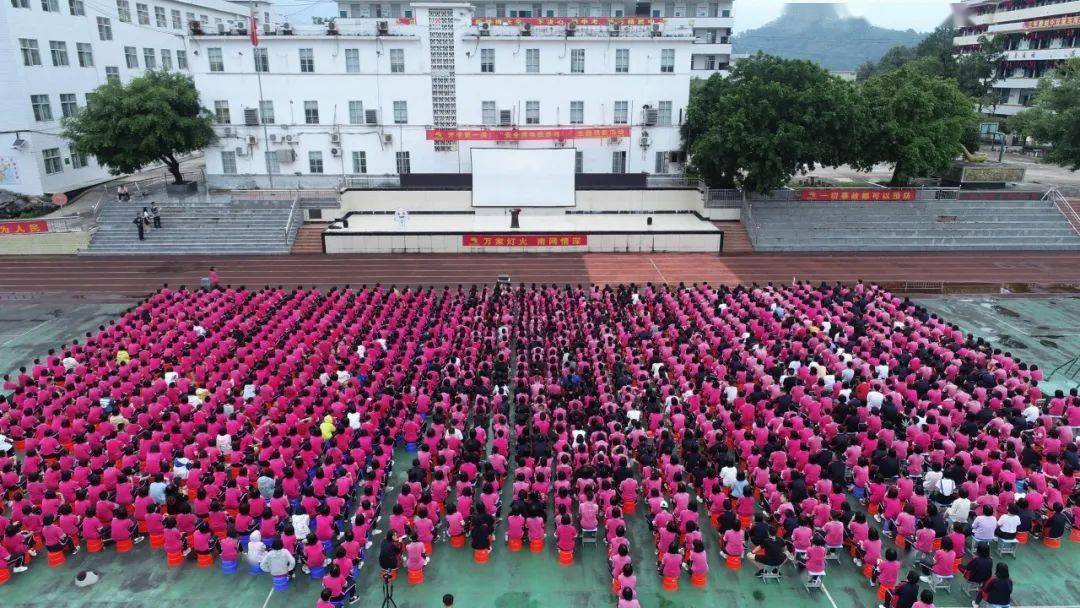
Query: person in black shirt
[(998, 590), (482, 531), (907, 593), (389, 552), (774, 553), (1055, 524), (981, 567)]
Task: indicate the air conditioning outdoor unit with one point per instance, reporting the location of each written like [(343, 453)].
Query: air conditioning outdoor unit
[(371, 117), (241, 151), (485, 29), (251, 117), (387, 139), (335, 151), (286, 155), (252, 141), (560, 143), (570, 29), (614, 30), (288, 139), (650, 116), (286, 28), (335, 138), (506, 118), (221, 29), (331, 28), (383, 28), (227, 132), (526, 29), (614, 141), (644, 141), (273, 138), (655, 30)]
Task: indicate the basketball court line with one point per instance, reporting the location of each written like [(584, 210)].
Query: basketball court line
[(662, 277)]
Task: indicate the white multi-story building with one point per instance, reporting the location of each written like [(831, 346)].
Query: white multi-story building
[(1039, 34), (365, 97), (711, 21), (54, 52)]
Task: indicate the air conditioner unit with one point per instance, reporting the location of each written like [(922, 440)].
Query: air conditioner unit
[(273, 138), (227, 132), (571, 28), (286, 28), (195, 27), (650, 116), (335, 138), (331, 28), (526, 29), (288, 139), (485, 29), (371, 117), (655, 31), (267, 29), (506, 118), (560, 143), (241, 151), (252, 141), (644, 141), (387, 139), (221, 29), (383, 28), (251, 117), (335, 151), (614, 141), (614, 30), (286, 155)]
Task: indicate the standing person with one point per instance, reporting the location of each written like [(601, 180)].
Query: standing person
[(213, 277), (278, 561), (155, 213), (997, 592), (146, 215), (138, 221)]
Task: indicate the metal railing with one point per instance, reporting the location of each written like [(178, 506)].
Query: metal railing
[(1065, 207), (292, 214), (65, 223), (1069, 369), (373, 182), (672, 180)]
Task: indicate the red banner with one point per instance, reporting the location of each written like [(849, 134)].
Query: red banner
[(856, 194), (406, 21), (566, 20), (524, 240), (525, 134), (1053, 22), (24, 227)]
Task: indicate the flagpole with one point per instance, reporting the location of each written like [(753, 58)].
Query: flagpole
[(258, 76)]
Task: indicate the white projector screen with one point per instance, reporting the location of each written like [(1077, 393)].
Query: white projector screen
[(505, 177)]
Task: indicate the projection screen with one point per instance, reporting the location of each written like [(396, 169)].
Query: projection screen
[(506, 177)]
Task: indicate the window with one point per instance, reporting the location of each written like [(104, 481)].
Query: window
[(488, 114), (532, 61), (58, 50), (20, 3), (166, 59), (661, 162), (577, 112), (181, 60), (149, 59), (397, 61), (160, 19), (213, 55), (42, 107), (123, 10), (262, 59), (228, 162), (142, 11), (532, 112), (50, 6), (131, 55), (622, 61), (618, 161), (356, 112), (104, 28), (401, 112), (315, 162), (352, 61), (86, 54), (266, 112), (273, 166), (664, 114), (77, 7), (487, 60), (53, 164), (622, 112), (221, 111), (667, 60), (403, 165), (359, 162), (577, 61), (307, 60), (69, 104), (177, 22), (78, 160), (112, 73), (31, 55), (311, 112), (579, 161)]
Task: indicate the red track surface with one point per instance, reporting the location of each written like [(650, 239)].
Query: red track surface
[(136, 276)]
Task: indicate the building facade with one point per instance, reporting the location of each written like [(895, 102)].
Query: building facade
[(372, 97), (1039, 34), (55, 52)]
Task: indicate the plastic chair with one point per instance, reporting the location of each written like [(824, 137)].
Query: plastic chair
[(941, 583), (814, 580), (1006, 547)]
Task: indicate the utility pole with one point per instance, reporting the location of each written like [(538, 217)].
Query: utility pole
[(254, 35)]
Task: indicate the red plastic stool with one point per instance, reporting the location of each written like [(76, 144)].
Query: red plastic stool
[(5, 575), (56, 559), (457, 541), (699, 580), (1074, 535), (174, 559), (882, 591), (205, 560), (157, 541), (481, 556), (868, 570), (416, 576), (615, 586), (94, 545), (1052, 543), (515, 544), (536, 545), (1022, 537), (429, 549), (901, 541), (124, 546), (629, 507), (566, 557), (671, 583), (733, 562)]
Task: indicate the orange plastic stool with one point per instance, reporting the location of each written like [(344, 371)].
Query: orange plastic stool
[(872, 508), (671, 583), (956, 565), (1074, 535), (56, 559), (1022, 537), (416, 577), (94, 545), (882, 591), (868, 570), (615, 586), (745, 521), (733, 562), (629, 507), (481, 556), (536, 545), (699, 580), (142, 527), (5, 575), (157, 541), (937, 544), (205, 560), (1052, 543), (901, 541), (714, 519), (429, 549), (515, 544), (123, 546), (457, 541), (566, 557), (174, 559)]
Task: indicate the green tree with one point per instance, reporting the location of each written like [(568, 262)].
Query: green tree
[(1055, 115), (771, 119), (919, 122), (155, 117)]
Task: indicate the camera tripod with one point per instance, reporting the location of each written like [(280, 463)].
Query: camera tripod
[(388, 591)]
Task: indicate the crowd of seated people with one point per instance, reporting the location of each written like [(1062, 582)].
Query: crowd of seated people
[(807, 422)]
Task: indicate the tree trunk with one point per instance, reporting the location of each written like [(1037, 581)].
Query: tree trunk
[(898, 177), (174, 168)]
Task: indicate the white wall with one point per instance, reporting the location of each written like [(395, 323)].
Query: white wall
[(707, 243), (460, 201)]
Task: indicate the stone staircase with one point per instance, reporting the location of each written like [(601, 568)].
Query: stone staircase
[(736, 238), (195, 227), (910, 226), (309, 239)]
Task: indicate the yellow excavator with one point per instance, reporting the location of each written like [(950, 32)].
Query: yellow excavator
[(973, 158)]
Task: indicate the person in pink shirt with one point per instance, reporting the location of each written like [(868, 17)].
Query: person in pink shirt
[(415, 556), (699, 561), (943, 562), (887, 572), (926, 599), (566, 534), (628, 599), (733, 543), (815, 557), (671, 562)]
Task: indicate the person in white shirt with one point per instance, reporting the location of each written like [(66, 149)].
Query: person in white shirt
[(1008, 523), (354, 420), (874, 399), (69, 363), (1031, 413), (882, 371), (171, 378), (223, 443), (960, 508)]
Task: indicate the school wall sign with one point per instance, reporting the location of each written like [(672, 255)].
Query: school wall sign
[(24, 227), (524, 240)]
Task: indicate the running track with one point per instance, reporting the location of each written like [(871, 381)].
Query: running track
[(141, 275)]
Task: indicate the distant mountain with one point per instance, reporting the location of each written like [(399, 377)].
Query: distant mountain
[(820, 33)]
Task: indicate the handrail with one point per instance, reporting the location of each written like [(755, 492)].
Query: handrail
[(1065, 207), (292, 213), (1071, 367)]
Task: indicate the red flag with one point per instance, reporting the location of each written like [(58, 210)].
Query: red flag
[(254, 31)]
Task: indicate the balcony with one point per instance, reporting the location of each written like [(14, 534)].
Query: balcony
[(362, 28), (1017, 83), (1025, 14), (1007, 109), (1042, 54), (638, 28), (966, 40)]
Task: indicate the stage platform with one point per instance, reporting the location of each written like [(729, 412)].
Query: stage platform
[(491, 233)]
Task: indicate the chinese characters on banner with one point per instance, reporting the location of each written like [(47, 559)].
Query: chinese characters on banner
[(1055, 22), (525, 134), (854, 194), (524, 240), (25, 227), (566, 20), (406, 21)]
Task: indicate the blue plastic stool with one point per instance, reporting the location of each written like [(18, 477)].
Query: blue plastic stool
[(317, 572), (410, 447), (328, 547), (281, 583), (244, 540), (228, 567), (255, 570)]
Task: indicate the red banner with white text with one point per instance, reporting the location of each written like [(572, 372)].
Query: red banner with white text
[(525, 134), (857, 194), (24, 227), (524, 240), (566, 20)]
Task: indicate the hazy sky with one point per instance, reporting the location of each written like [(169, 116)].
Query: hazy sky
[(921, 15)]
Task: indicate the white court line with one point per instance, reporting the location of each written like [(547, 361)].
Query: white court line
[(268, 596), (823, 588), (12, 339), (662, 277)]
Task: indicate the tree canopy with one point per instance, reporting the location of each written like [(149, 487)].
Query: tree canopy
[(1054, 117), (919, 122), (771, 119), (155, 117)]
